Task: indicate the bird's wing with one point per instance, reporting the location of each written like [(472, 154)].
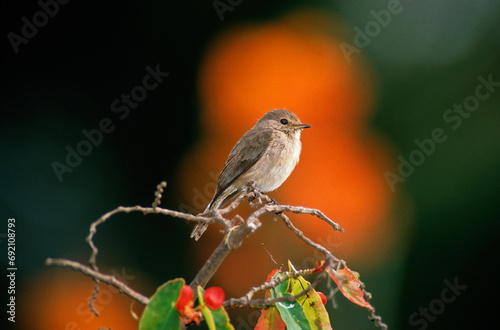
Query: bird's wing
[(247, 151)]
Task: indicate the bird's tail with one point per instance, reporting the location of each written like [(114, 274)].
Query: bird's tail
[(215, 203), (200, 228)]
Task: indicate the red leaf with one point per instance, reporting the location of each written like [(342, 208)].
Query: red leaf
[(348, 285), (271, 274), (270, 319), (269, 278)]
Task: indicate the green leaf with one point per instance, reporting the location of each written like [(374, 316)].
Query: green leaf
[(207, 313), (291, 312), (281, 288), (221, 319), (314, 310), (215, 319), (160, 313), (293, 315)]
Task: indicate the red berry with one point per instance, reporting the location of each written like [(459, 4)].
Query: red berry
[(214, 297), (323, 297), (186, 296)]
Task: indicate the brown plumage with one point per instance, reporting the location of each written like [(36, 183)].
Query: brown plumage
[(266, 154)]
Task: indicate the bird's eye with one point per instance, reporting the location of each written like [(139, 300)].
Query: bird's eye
[(284, 121)]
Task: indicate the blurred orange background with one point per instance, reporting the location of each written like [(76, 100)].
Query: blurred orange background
[(417, 69), (59, 299), (295, 63)]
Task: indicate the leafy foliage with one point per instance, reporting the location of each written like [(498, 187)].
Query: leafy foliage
[(348, 283), (161, 312), (305, 312), (215, 319)]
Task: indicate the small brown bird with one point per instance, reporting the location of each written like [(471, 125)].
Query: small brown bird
[(266, 155)]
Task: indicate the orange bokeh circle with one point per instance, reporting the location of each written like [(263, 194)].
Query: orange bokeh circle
[(253, 69), (58, 299)]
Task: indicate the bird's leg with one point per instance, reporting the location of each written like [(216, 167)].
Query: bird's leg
[(254, 199), (254, 195), (271, 201)]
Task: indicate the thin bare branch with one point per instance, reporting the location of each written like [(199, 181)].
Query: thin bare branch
[(94, 297), (246, 301), (108, 279), (307, 240), (145, 210), (232, 240), (279, 208), (236, 231), (377, 320), (158, 193), (235, 203)]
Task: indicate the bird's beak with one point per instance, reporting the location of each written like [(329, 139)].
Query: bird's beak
[(302, 126)]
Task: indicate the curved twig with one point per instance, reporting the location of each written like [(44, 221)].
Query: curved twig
[(108, 279)]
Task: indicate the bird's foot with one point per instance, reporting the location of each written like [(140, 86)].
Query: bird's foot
[(255, 196)]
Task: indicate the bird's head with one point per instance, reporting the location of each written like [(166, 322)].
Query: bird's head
[(282, 120)]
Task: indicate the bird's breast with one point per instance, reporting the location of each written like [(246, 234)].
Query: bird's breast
[(277, 163)]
